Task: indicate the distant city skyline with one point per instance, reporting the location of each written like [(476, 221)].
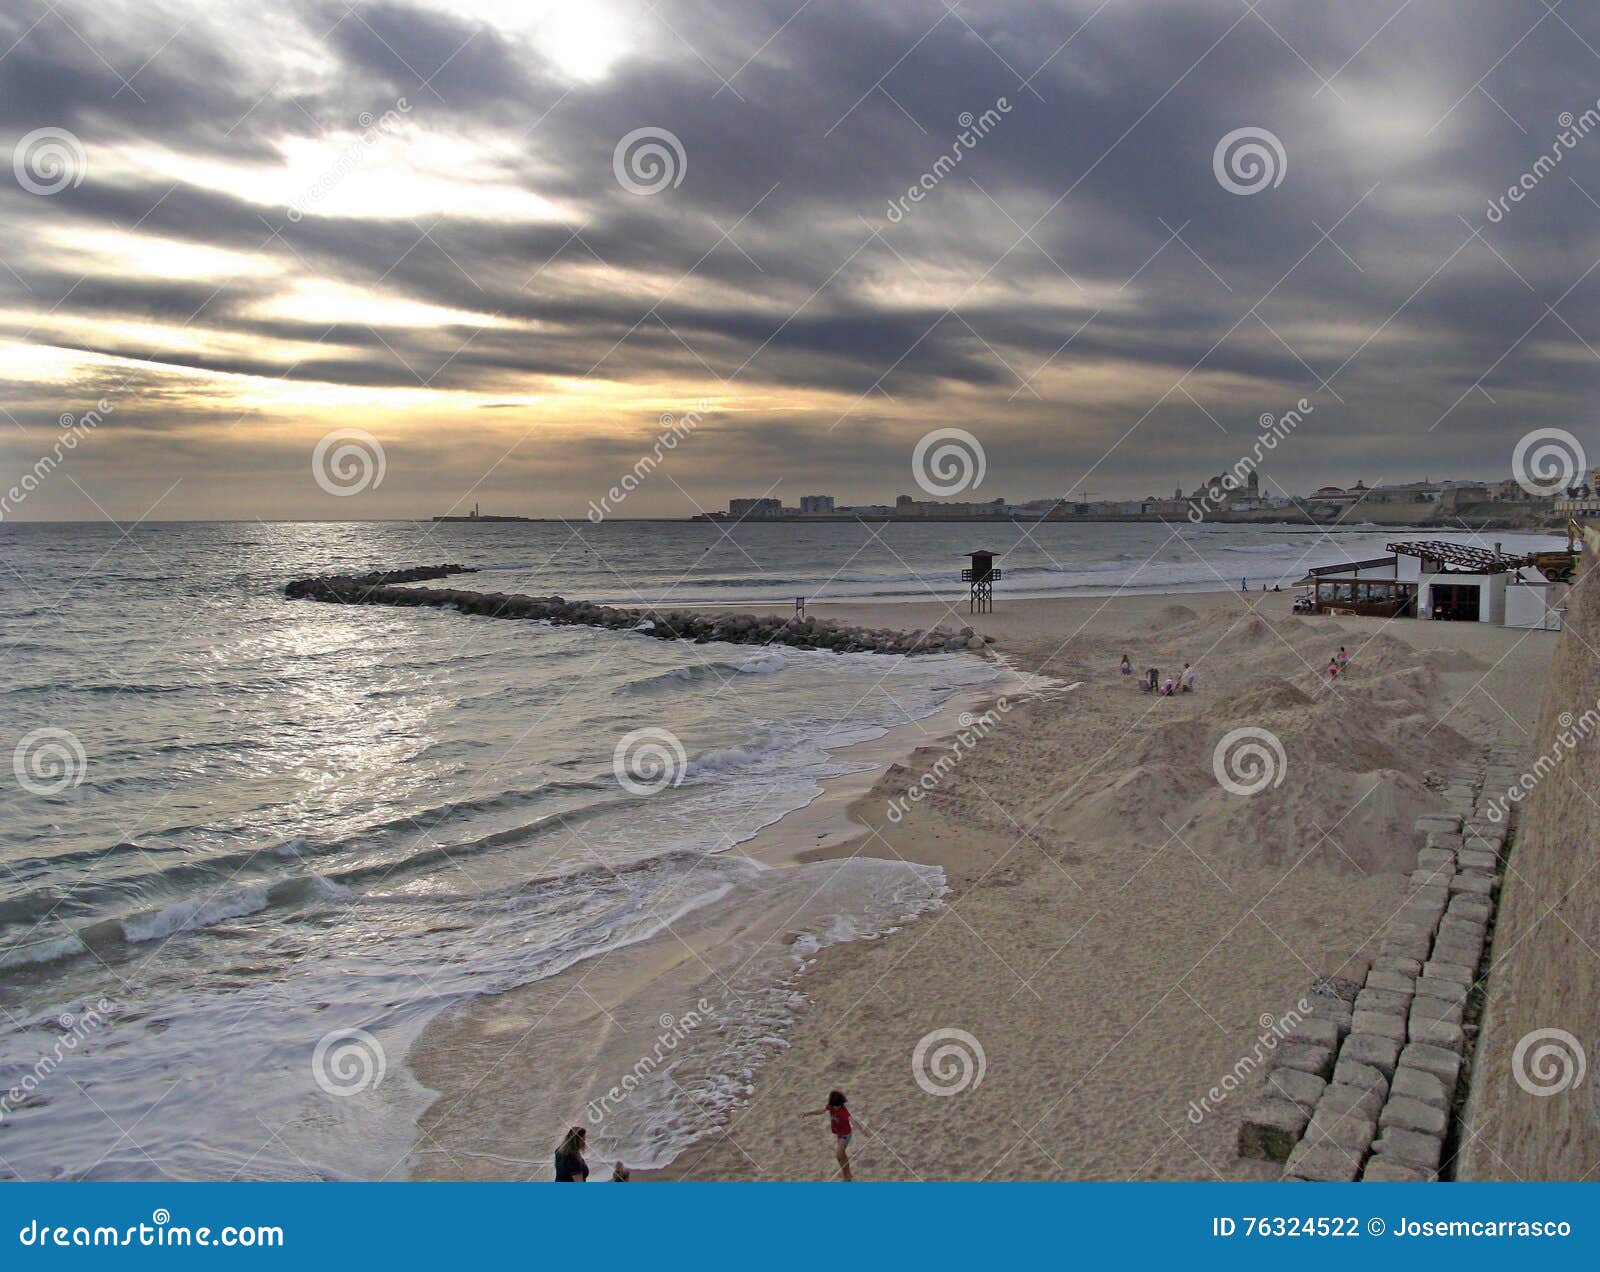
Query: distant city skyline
[(1213, 494)]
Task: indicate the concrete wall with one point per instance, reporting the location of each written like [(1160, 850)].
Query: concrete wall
[(1545, 968), (1535, 605)]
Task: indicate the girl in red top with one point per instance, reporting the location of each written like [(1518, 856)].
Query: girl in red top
[(841, 1126)]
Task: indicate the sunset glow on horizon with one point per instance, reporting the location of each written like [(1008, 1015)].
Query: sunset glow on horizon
[(247, 228)]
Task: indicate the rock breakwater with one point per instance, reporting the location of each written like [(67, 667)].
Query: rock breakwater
[(392, 587)]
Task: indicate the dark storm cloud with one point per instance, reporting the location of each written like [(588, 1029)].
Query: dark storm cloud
[(790, 270), (110, 78), (458, 65)]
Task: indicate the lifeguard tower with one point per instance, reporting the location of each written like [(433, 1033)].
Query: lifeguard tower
[(983, 575)]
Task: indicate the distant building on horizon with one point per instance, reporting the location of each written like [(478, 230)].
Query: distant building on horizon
[(1458, 495), (816, 505), (906, 506), (755, 509), (1406, 492), (1226, 493)]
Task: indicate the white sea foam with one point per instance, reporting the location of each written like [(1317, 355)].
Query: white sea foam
[(764, 664), (46, 951), (198, 912)]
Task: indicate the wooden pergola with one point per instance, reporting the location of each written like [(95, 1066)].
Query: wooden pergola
[(1341, 589), (1462, 556)]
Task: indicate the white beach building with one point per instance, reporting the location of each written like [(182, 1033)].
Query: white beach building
[(1439, 581)]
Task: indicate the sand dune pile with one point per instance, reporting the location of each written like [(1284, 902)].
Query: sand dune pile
[(1334, 769)]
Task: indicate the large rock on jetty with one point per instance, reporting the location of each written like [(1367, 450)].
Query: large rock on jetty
[(387, 587), (300, 588)]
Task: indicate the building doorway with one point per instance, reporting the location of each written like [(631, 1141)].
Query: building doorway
[(1456, 602)]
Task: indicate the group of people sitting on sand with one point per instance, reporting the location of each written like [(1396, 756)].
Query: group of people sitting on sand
[(1153, 682)]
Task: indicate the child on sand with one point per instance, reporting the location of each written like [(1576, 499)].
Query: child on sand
[(841, 1126), (1127, 665), (1342, 658), (1333, 669)]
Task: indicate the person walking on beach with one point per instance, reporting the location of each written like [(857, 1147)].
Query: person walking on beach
[(1342, 658), (1127, 665), (570, 1166), (1186, 680), (1333, 669), (842, 1128)]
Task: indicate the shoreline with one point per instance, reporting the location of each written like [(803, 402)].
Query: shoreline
[(824, 829), (848, 606), (1064, 904), (828, 822)]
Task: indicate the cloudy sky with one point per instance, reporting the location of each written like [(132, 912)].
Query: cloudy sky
[(245, 226)]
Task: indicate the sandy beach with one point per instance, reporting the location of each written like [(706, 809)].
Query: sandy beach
[(1119, 927)]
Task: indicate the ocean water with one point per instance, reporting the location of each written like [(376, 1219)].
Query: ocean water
[(250, 847)]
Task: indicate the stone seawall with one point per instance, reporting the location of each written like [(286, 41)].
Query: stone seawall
[(1468, 1051), (1369, 1086), (390, 587), (1534, 1113)]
